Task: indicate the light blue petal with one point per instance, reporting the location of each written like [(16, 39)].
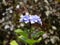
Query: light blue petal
[(39, 21)]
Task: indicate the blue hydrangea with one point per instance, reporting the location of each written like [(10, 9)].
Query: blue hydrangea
[(31, 18)]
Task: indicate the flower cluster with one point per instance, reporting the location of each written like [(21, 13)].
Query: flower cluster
[(31, 18)]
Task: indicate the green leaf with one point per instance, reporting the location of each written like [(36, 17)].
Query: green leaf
[(40, 33), (18, 31), (22, 38), (29, 41), (26, 40), (13, 42), (39, 39), (37, 34), (21, 32)]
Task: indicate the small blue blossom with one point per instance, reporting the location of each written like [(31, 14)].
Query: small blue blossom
[(31, 18), (35, 19), (25, 19)]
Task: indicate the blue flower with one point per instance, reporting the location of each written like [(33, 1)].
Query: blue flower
[(35, 19), (25, 19), (31, 18)]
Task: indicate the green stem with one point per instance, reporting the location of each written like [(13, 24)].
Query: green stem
[(30, 30)]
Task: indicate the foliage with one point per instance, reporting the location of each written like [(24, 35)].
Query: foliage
[(13, 42), (24, 37)]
